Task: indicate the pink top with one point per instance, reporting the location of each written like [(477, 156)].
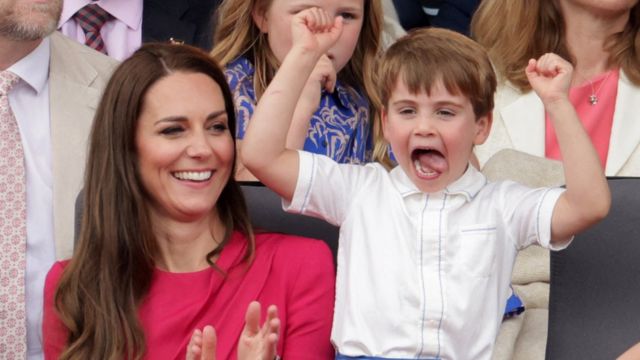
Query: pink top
[(597, 119), (294, 273), (122, 35)]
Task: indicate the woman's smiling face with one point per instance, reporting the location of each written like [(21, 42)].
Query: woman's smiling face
[(184, 146)]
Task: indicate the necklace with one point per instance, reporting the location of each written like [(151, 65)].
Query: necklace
[(593, 98)]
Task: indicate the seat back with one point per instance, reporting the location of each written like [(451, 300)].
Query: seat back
[(265, 211), (595, 284)]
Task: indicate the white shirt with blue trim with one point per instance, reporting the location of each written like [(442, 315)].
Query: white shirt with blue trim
[(421, 275)]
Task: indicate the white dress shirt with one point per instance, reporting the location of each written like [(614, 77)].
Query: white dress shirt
[(122, 35), (29, 101), (421, 275)]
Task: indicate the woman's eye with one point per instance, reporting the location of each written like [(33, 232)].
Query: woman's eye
[(219, 127), (172, 130)]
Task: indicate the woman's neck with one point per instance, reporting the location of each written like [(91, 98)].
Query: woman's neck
[(183, 246), (587, 31)]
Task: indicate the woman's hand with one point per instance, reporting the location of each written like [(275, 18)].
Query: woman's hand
[(202, 345), (259, 342), (550, 77), (256, 342)]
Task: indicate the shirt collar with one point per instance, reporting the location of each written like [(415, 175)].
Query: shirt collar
[(33, 69), (127, 11), (468, 185)]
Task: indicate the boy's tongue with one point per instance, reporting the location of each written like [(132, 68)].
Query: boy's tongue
[(431, 161)]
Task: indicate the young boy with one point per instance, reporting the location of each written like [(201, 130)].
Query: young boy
[(426, 250)]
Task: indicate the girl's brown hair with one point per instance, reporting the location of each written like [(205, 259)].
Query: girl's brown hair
[(237, 35), (515, 31), (110, 273)]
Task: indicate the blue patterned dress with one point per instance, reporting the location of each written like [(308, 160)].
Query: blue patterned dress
[(339, 128)]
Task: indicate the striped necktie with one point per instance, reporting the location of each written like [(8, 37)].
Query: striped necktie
[(91, 18)]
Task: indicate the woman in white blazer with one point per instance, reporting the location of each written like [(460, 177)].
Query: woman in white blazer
[(600, 39)]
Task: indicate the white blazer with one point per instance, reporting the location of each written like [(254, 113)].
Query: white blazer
[(518, 123), (77, 76)]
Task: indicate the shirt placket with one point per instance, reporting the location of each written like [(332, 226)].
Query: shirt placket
[(431, 234)]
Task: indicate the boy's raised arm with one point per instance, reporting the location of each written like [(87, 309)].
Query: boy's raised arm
[(587, 199), (264, 150)]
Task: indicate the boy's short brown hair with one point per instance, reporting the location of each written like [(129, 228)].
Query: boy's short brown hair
[(425, 56)]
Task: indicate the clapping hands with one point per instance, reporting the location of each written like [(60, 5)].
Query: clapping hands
[(256, 342)]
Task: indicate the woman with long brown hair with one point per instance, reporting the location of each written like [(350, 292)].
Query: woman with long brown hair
[(165, 245), (601, 39)]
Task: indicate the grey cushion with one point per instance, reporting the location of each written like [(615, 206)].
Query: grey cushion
[(265, 211)]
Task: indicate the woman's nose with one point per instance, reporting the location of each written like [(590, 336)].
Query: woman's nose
[(198, 146)]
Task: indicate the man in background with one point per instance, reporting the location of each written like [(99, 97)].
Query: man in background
[(49, 88), (118, 27)]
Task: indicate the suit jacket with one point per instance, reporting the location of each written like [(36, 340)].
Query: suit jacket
[(449, 14), (191, 21), (77, 75), (518, 123)]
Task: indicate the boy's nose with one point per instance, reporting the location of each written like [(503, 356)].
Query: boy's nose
[(424, 126)]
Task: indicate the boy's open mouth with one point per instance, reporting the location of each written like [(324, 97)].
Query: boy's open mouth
[(429, 163)]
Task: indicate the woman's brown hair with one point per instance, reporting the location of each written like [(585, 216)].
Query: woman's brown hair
[(110, 273), (237, 35), (515, 31)]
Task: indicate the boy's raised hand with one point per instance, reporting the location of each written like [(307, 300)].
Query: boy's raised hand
[(314, 30), (586, 199), (550, 78)]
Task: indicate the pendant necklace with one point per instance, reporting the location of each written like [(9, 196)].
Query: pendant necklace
[(593, 98)]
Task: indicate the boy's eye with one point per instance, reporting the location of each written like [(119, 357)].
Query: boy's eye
[(445, 112), (171, 130), (407, 111)]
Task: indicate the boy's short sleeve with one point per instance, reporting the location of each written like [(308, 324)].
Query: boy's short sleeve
[(544, 215), (528, 213), (325, 189)]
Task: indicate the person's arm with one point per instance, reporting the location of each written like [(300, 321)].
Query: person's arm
[(631, 354), (323, 76), (264, 150), (587, 199), (256, 342)]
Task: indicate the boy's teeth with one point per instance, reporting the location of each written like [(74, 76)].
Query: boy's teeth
[(193, 175), (421, 171)]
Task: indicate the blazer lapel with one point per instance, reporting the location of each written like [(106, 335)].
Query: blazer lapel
[(72, 106), (522, 120), (625, 132)]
